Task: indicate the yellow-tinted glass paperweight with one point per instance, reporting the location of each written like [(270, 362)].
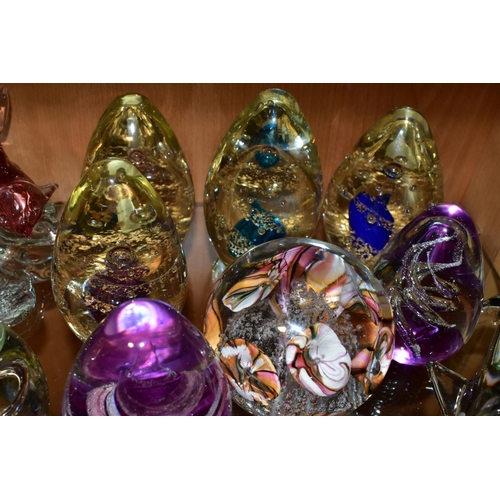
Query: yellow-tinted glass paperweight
[(115, 242), (391, 176), (132, 128), (265, 181)]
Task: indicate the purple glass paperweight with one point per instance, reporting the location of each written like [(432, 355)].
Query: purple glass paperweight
[(145, 359), (433, 273)]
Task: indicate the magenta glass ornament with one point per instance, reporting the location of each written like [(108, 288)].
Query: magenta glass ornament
[(21, 200), (144, 359), (301, 327), (433, 272)]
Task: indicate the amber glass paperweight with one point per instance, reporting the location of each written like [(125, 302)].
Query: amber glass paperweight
[(133, 128), (115, 242), (392, 175), (265, 181)]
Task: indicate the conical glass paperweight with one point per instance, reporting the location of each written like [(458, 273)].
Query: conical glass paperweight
[(146, 359), (115, 242), (265, 181), (132, 128), (392, 174)]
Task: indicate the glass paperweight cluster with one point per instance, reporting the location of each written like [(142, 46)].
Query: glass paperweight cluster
[(479, 396), (392, 174), (146, 359), (265, 181), (23, 385), (301, 327), (115, 242), (433, 272), (132, 128)]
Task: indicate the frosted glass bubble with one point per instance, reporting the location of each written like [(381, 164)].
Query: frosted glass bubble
[(301, 328), (433, 272), (392, 174), (115, 242), (265, 181), (23, 385), (133, 128), (144, 359), (17, 296)]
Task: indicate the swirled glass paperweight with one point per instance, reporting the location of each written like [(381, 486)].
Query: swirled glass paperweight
[(265, 181), (301, 328), (115, 242), (23, 385), (392, 175), (144, 359), (433, 273), (133, 128)]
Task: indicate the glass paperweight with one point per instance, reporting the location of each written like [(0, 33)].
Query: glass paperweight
[(146, 359), (21, 200), (115, 242), (432, 271), (132, 128), (392, 175), (265, 181), (479, 396), (301, 327), (23, 386)]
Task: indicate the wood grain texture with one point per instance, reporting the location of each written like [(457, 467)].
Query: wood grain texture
[(52, 125)]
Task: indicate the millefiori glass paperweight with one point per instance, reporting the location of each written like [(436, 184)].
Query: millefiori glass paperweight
[(23, 385), (301, 327), (392, 175), (133, 128), (432, 271), (265, 181), (144, 359), (115, 242)]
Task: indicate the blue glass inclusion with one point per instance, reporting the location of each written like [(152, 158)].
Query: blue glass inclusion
[(258, 227), (370, 220)]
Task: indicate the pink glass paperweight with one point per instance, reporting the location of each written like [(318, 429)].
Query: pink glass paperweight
[(144, 359), (21, 200)]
